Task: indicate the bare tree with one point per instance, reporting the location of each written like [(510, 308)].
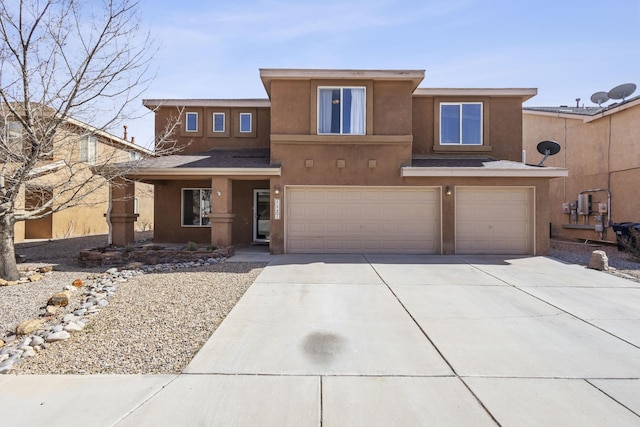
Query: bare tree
[(62, 61)]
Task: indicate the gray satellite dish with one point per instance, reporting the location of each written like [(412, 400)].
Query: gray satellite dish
[(622, 91), (599, 98), (548, 148)]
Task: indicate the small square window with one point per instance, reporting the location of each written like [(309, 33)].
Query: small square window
[(192, 122), (218, 122), (245, 122)]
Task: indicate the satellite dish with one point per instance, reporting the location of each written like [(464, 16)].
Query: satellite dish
[(548, 148), (622, 91), (599, 98)]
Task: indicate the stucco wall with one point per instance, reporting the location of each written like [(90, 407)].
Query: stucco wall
[(602, 153), (502, 126), (87, 216), (204, 139), (168, 202)]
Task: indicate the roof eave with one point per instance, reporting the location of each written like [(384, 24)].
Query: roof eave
[(523, 93), (412, 171), (270, 171), (267, 75)]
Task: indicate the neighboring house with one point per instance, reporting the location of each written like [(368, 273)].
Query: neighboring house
[(339, 161), (78, 146), (601, 151)]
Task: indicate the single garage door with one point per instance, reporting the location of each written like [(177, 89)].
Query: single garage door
[(362, 219), (495, 220)]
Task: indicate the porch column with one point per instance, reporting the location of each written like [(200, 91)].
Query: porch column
[(122, 214), (221, 217)]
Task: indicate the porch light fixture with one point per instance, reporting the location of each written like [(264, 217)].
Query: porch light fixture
[(447, 191), (276, 189)]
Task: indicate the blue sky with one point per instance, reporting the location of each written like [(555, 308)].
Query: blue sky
[(566, 48)]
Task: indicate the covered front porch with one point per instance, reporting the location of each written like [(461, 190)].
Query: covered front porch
[(219, 198)]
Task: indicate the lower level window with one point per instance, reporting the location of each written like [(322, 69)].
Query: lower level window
[(196, 205)]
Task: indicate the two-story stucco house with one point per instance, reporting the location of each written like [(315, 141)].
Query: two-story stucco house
[(338, 161), (77, 149)]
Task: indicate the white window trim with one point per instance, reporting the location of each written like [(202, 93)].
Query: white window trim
[(341, 88), (460, 104), (182, 224), (250, 123), (89, 149), (186, 121), (224, 124)]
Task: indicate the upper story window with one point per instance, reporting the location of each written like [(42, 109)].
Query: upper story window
[(218, 122), (89, 149), (192, 122), (341, 110), (13, 137), (461, 123), (134, 155), (245, 122)]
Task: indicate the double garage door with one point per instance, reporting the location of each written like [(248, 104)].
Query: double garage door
[(404, 220)]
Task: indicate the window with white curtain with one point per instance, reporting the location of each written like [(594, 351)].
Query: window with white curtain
[(461, 123), (341, 110)]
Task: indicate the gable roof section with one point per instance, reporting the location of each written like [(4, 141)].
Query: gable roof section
[(269, 74), (115, 140)]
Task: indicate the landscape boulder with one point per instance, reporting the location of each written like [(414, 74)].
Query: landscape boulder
[(599, 261), (28, 326)]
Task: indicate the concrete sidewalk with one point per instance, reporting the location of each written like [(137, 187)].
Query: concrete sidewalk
[(381, 340)]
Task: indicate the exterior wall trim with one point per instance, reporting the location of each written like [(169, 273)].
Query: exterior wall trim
[(206, 172), (524, 93), (408, 171), (341, 139)]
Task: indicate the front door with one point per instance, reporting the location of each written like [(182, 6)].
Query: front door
[(261, 215)]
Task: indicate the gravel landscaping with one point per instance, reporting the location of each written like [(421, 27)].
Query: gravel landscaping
[(154, 323)]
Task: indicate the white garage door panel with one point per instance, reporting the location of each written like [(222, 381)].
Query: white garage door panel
[(496, 220), (350, 219)]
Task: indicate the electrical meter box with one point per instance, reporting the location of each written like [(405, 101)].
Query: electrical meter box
[(565, 208), (602, 208), (584, 204)]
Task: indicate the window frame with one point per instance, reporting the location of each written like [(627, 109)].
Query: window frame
[(250, 115), (461, 143), (341, 88), (15, 136), (213, 122), (202, 213), (87, 155), (186, 121)]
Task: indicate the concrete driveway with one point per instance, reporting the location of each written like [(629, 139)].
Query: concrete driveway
[(392, 340)]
